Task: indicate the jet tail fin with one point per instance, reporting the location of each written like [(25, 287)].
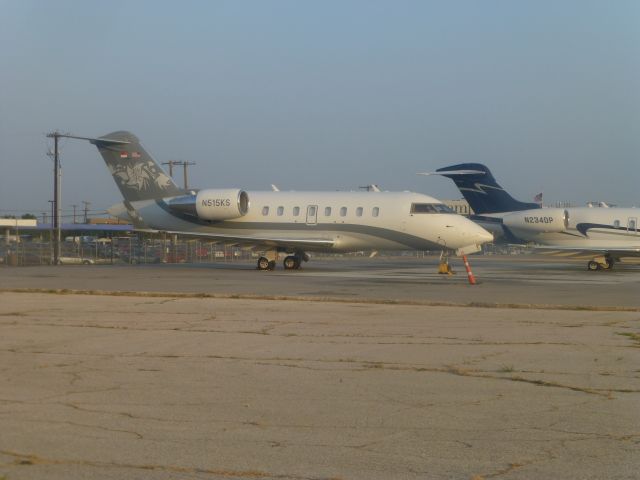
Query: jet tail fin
[(138, 176), (480, 189)]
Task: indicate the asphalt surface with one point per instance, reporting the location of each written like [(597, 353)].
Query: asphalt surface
[(324, 387), (518, 279)]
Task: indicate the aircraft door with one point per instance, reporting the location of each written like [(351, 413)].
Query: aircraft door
[(632, 225), (312, 215)]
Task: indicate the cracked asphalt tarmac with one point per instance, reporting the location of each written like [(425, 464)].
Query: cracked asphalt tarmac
[(131, 387)]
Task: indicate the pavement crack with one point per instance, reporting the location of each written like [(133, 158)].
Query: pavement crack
[(31, 459), (90, 426)]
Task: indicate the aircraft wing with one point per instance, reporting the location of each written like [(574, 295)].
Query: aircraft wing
[(581, 251), (252, 239)]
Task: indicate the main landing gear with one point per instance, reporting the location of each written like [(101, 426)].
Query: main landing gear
[(290, 262), (601, 263), (265, 264)]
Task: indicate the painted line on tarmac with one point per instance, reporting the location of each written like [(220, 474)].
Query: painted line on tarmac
[(325, 299)]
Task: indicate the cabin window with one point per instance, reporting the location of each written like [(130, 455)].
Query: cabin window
[(375, 212), (327, 211), (280, 211), (343, 212), (359, 211), (616, 223), (265, 211), (296, 211), (430, 208), (632, 225)]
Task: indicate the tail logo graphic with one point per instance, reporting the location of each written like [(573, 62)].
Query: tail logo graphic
[(141, 176), (480, 188)]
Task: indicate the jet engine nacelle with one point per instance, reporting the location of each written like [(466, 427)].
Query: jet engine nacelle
[(538, 220), (221, 204)]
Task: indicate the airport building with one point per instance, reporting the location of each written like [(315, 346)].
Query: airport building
[(10, 227)]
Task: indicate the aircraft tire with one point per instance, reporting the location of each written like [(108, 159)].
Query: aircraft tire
[(593, 265), (263, 263), (290, 262)]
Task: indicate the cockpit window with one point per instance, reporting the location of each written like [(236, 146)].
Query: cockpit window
[(430, 208)]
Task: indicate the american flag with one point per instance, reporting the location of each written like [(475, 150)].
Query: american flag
[(124, 155), (135, 154)]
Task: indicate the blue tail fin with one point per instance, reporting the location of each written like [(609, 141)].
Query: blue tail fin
[(481, 190)]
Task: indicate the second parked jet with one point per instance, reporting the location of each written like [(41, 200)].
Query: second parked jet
[(604, 234)]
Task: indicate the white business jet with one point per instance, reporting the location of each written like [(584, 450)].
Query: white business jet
[(277, 222)]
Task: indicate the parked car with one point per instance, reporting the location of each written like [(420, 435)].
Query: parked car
[(76, 261)]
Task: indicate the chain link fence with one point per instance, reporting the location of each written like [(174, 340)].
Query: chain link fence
[(119, 250)]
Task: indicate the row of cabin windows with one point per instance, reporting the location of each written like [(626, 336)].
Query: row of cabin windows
[(375, 211), (631, 224)]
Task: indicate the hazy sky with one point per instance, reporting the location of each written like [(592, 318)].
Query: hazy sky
[(325, 94)]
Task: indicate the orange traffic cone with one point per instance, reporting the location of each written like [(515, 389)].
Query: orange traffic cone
[(472, 279)]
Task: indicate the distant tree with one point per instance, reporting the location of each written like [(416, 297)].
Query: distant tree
[(29, 216), (9, 216)]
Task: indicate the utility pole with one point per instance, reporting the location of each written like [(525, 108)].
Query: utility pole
[(44, 217), (86, 210), (171, 163), (74, 213), (56, 195), (186, 164)]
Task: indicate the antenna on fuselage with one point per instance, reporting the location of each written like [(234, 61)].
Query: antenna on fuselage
[(371, 188)]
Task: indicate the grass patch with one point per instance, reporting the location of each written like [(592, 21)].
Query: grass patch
[(635, 337), (370, 301)]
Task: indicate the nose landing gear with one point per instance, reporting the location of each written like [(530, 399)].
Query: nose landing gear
[(444, 268), (601, 263)]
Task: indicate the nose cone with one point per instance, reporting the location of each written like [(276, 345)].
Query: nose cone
[(467, 233), (483, 236)]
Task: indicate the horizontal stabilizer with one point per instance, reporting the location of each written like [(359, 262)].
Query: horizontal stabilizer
[(96, 141), (454, 172)]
